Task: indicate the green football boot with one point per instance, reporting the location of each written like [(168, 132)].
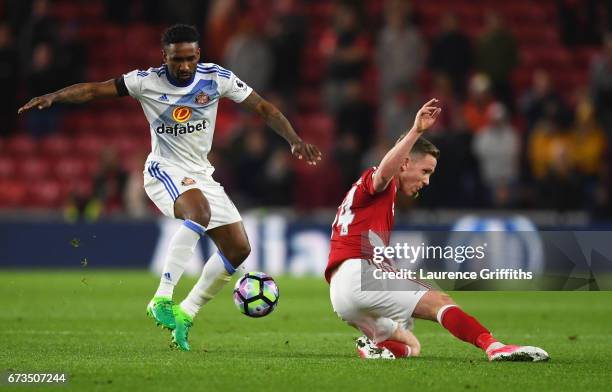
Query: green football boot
[(181, 332), (160, 309)]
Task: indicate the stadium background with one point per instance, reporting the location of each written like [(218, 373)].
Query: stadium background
[(526, 89)]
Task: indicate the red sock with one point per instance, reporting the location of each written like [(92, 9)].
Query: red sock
[(399, 349), (466, 327)]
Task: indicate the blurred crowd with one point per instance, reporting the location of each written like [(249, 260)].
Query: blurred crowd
[(350, 75)]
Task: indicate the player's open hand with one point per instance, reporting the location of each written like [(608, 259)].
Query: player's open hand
[(308, 152), (427, 115), (41, 102)]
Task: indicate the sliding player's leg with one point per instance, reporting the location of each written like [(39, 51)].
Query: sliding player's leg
[(402, 343), (399, 307), (438, 306), (382, 315), (193, 207)]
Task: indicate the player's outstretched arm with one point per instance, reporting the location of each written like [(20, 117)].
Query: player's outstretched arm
[(77, 93), (277, 121), (395, 158)]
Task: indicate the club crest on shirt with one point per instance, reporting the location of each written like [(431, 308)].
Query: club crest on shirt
[(202, 98), (187, 181)]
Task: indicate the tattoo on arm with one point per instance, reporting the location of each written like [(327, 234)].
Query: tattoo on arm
[(252, 101), (84, 92), (277, 121), (77, 93), (272, 116)]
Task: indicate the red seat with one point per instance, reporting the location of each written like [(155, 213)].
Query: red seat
[(45, 194), (136, 124), (88, 146), (81, 187), (126, 145), (88, 167), (12, 194), (33, 169), (79, 122), (21, 145), (56, 145), (109, 122), (69, 168), (7, 167)]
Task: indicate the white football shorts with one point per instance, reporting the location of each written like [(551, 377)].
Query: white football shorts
[(164, 183), (375, 313)]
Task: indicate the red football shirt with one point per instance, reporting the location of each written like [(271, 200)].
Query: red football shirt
[(363, 210)]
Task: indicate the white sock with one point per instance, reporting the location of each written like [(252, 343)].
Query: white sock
[(216, 273), (180, 251), (441, 311)]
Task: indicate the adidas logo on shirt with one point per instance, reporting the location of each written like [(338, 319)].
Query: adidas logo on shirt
[(163, 98)]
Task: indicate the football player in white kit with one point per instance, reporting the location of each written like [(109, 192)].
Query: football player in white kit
[(180, 101)]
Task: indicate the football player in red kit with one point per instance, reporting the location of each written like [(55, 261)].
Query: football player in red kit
[(365, 219)]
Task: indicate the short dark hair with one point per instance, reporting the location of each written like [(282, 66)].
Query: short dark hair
[(180, 33), (422, 146)]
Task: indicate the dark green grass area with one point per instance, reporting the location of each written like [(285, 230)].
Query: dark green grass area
[(92, 325)]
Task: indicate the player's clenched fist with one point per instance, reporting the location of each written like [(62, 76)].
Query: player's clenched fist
[(427, 115)]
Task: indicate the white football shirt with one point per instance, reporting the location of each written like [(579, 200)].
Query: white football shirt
[(182, 116)]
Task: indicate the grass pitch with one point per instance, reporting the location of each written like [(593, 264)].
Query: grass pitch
[(92, 325)]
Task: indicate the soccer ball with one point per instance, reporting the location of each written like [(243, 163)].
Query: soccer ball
[(256, 294)]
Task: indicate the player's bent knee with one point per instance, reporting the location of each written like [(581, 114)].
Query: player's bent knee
[(201, 217), (444, 299), (238, 253), (439, 300), (199, 213), (193, 205), (431, 303), (242, 252)]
